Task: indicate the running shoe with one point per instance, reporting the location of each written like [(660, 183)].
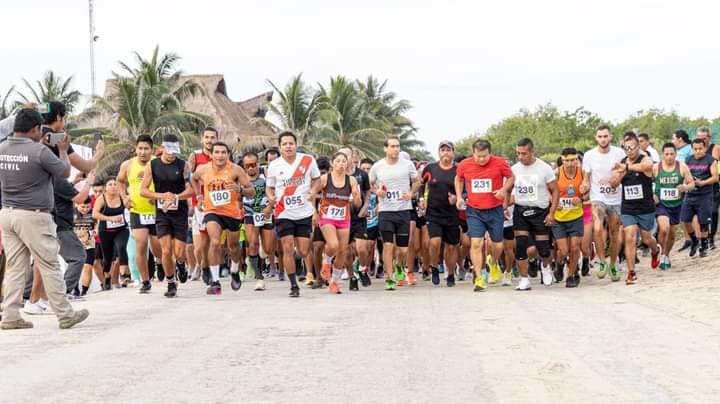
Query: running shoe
[(495, 272), (711, 244), (380, 272), (412, 280), (354, 284), (703, 252), (145, 288), (693, 248), (687, 244), (206, 276), (334, 287), (547, 274), (389, 284), (571, 282), (107, 284), (663, 264), (399, 274), (631, 278), (35, 308), (533, 268), (559, 272), (214, 289), (450, 281), (273, 271), (577, 278), (436, 276), (250, 272), (309, 279), (235, 281), (480, 284), (196, 274), (602, 271), (668, 262), (281, 275), (294, 291), (181, 271), (425, 276), (125, 280), (614, 274), (325, 271), (171, 290), (524, 284), (344, 276), (654, 262), (318, 284), (507, 279), (259, 285), (365, 279), (585, 267)]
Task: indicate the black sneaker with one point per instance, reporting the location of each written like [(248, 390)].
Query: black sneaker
[(380, 273), (425, 276), (182, 272), (436, 276), (206, 276), (585, 267), (571, 282), (533, 268), (711, 244), (235, 281), (450, 281), (108, 284), (354, 284), (703, 252), (694, 248), (214, 289), (365, 279), (145, 288), (295, 291), (687, 244), (171, 290), (125, 280), (160, 274), (577, 277), (559, 272)]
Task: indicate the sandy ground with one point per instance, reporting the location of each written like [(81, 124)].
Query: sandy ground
[(657, 341)]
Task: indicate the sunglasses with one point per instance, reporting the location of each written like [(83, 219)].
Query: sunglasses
[(630, 148)]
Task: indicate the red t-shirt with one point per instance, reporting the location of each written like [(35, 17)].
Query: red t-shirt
[(482, 181)]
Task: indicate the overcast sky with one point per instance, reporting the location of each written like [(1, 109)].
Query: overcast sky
[(464, 65)]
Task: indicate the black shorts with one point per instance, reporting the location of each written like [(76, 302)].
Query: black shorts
[(373, 233), (135, 224), (250, 221), (301, 228), (420, 222), (174, 224), (226, 223), (531, 220), (463, 226), (395, 227), (508, 233), (89, 256), (444, 228), (358, 229), (98, 251), (317, 236)]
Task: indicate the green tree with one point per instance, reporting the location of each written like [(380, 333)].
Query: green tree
[(659, 124), (52, 87), (5, 103)]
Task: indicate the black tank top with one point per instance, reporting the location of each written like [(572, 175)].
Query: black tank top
[(637, 192), (700, 169), (169, 178), (110, 211)]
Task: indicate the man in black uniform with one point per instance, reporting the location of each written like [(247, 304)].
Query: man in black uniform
[(443, 220), (171, 177)]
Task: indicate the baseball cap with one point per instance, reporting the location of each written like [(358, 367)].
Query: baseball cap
[(446, 143)]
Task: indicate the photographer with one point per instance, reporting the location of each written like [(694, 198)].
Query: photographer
[(26, 171), (54, 123)]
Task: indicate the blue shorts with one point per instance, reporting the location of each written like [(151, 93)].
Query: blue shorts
[(673, 214), (700, 206), (646, 221), (486, 220)]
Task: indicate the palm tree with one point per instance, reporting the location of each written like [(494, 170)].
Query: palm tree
[(51, 88), (5, 109)]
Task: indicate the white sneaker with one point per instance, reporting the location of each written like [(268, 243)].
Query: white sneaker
[(34, 309), (260, 285), (344, 276), (196, 274), (524, 284), (547, 275), (507, 279)]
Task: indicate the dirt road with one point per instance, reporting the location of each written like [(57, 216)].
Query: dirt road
[(657, 341)]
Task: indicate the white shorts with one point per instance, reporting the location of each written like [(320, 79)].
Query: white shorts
[(197, 222)]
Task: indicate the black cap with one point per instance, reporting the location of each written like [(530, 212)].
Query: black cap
[(27, 119)]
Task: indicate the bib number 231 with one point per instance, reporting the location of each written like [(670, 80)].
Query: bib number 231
[(481, 186)]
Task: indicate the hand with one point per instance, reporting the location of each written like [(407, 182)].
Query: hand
[(267, 212), (506, 213), (656, 199), (499, 194), (99, 149), (200, 202), (407, 196), (118, 219), (576, 201), (64, 143), (619, 166), (381, 192), (452, 199), (549, 220), (460, 204), (584, 188), (697, 183), (682, 188), (90, 179)]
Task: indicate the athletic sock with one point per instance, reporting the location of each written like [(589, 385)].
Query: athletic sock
[(254, 262), (337, 274), (704, 243), (84, 290), (215, 272), (293, 280), (693, 238), (234, 267), (327, 259), (171, 278)]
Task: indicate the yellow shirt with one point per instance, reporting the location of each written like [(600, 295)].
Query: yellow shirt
[(140, 205)]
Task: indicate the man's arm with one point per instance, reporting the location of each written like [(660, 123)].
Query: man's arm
[(191, 162), (145, 187), (244, 181), (644, 166), (122, 177), (689, 183), (554, 196)]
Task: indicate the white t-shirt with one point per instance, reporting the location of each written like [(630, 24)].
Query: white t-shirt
[(654, 156), (600, 166), (281, 175), (531, 184), (396, 178)]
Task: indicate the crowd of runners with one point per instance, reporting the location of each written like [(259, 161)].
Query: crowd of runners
[(343, 221)]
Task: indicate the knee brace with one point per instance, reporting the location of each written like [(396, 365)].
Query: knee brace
[(521, 246), (543, 247)]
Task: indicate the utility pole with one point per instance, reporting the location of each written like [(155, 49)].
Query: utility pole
[(93, 38)]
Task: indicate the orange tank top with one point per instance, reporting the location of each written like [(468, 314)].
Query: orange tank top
[(569, 189), (335, 204), (219, 196)]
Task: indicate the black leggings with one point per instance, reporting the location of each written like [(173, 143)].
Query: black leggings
[(714, 225), (114, 245)]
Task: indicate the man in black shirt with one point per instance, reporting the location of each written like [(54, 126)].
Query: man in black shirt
[(443, 220), (54, 122), (699, 201)]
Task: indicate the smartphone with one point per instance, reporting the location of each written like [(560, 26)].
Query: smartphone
[(98, 137), (55, 138), (43, 108)]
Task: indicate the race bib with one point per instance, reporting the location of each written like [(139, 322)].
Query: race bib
[(220, 198), (295, 201), (172, 206), (633, 192), (608, 190), (394, 195), (481, 186), (335, 213), (258, 219), (113, 225), (669, 194), (147, 219), (566, 203), (526, 188)]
